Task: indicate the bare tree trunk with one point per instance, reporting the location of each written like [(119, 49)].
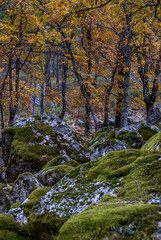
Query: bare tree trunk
[(65, 69), (149, 98), (80, 80), (107, 95), (47, 73), (53, 65), (89, 62), (11, 104), (2, 119), (128, 59), (42, 100), (57, 72)]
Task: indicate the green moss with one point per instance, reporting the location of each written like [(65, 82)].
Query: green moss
[(131, 138), (154, 143), (40, 225), (34, 198), (57, 161), (113, 221), (15, 205), (62, 169), (134, 166), (147, 132), (10, 229), (111, 135)]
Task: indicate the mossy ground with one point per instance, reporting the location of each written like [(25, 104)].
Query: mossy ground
[(133, 175), (113, 221), (11, 230)]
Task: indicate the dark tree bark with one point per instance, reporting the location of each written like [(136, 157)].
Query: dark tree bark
[(11, 104), (89, 62), (2, 119), (107, 95), (149, 98), (53, 65), (79, 77), (57, 72), (65, 69), (120, 85), (47, 73), (128, 59), (42, 100)]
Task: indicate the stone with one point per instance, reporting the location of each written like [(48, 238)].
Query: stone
[(24, 185), (31, 143), (102, 149), (99, 187), (154, 115)]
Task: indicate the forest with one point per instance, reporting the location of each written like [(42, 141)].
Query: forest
[(90, 60), (80, 120)]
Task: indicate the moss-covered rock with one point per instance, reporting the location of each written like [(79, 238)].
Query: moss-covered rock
[(23, 186), (36, 142), (113, 221), (34, 198), (131, 138), (11, 230), (49, 176), (147, 131), (121, 177), (5, 197), (154, 143)]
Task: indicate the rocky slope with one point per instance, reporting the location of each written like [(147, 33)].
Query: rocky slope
[(51, 190)]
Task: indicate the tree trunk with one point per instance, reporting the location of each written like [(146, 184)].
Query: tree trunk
[(80, 81), (53, 65), (42, 100), (128, 59), (57, 72), (65, 69), (107, 95), (149, 99), (47, 73), (11, 104), (2, 119)]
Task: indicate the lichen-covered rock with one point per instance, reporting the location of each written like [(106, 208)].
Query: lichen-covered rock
[(109, 145), (49, 176), (5, 197), (107, 140), (111, 221), (147, 131), (131, 138), (154, 143), (23, 187), (33, 142), (11, 230), (103, 143), (127, 176), (154, 115)]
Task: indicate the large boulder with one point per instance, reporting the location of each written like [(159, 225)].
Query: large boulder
[(24, 185), (154, 115), (114, 221), (120, 180), (31, 143), (107, 140)]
